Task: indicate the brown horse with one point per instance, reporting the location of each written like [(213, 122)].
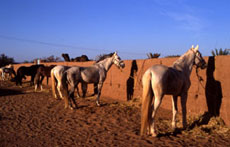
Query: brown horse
[(43, 71), (26, 71)]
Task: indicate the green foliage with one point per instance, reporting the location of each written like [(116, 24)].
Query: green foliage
[(172, 56), (48, 59), (217, 52), (155, 55), (4, 60)]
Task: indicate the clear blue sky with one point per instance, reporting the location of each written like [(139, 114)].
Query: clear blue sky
[(32, 29)]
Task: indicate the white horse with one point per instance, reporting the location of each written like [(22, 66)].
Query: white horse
[(9, 69), (56, 79), (160, 80), (93, 74)]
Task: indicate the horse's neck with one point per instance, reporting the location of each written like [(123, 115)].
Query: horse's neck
[(106, 63), (185, 63)]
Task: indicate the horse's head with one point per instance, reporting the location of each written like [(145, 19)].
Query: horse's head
[(199, 60), (117, 61), (10, 66)]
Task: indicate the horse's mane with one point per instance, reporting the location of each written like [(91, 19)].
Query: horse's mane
[(103, 56), (181, 60)]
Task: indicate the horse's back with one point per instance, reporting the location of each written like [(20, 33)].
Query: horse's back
[(168, 79), (93, 74), (45, 70), (22, 70), (157, 72), (59, 70), (84, 74)]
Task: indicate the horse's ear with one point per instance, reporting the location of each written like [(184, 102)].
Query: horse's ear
[(192, 47), (196, 48), (115, 53)]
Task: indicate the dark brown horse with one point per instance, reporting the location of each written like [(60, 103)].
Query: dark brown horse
[(26, 71), (43, 71)]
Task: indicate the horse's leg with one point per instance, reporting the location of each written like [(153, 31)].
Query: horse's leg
[(47, 80), (20, 81), (71, 89), (174, 110), (40, 82), (35, 87), (84, 88), (10, 76), (53, 84), (7, 76), (32, 80), (36, 81), (54, 88), (158, 98), (1, 73), (184, 111), (76, 86), (95, 89), (59, 89), (99, 86), (3, 76), (71, 95)]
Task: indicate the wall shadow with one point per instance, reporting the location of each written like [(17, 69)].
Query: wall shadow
[(213, 90), (131, 80)]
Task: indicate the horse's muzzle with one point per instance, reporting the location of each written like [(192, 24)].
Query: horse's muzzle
[(122, 65), (203, 65)]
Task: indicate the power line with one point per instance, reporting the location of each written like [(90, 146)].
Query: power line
[(63, 45)]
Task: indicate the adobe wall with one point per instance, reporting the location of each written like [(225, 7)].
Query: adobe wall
[(115, 85)]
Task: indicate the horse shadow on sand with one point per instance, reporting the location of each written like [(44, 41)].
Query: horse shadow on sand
[(213, 94), (7, 92)]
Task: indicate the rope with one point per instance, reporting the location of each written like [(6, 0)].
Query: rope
[(200, 80)]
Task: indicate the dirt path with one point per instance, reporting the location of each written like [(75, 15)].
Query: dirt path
[(37, 119)]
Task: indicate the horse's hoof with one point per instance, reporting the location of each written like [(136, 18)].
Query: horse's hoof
[(98, 104), (72, 108), (153, 135)]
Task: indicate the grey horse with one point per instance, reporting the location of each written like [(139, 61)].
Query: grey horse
[(93, 74), (160, 80)]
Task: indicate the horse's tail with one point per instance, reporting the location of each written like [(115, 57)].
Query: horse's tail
[(65, 88), (53, 82), (147, 97)]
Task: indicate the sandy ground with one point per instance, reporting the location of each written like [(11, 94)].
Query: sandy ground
[(37, 119)]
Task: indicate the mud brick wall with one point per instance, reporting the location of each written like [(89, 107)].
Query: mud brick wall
[(212, 94)]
